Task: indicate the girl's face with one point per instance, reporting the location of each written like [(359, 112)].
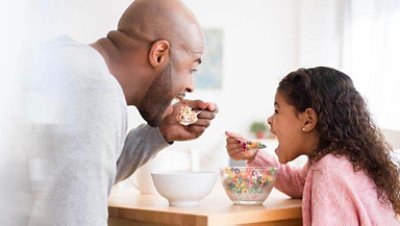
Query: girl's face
[(287, 125)]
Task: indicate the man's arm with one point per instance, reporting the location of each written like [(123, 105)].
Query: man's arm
[(140, 145), (144, 142)]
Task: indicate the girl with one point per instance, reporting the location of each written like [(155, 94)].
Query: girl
[(350, 178)]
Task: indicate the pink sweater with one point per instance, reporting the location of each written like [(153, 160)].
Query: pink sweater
[(333, 194)]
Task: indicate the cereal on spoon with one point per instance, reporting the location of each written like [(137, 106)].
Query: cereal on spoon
[(187, 116)]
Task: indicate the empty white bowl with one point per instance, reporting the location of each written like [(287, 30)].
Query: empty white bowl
[(184, 188)]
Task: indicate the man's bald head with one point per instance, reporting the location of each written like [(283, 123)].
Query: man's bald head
[(152, 20), (154, 53)]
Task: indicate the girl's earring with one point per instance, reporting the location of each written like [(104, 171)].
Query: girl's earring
[(304, 129)]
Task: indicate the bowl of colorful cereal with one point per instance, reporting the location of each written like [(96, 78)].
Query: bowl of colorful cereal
[(247, 185)]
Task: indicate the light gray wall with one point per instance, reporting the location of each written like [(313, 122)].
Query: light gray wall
[(263, 41)]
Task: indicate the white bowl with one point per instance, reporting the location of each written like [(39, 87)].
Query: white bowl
[(184, 188)]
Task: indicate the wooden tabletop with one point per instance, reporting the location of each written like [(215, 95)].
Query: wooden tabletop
[(129, 207)]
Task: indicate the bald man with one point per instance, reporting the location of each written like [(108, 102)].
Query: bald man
[(147, 62)]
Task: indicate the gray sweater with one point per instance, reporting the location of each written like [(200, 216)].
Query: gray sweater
[(72, 94)]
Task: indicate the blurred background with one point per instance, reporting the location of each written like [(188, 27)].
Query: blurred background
[(251, 45)]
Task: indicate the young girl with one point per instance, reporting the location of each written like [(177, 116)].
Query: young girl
[(350, 178)]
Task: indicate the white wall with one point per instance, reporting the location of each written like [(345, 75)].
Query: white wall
[(86, 21), (260, 46), (320, 33), (371, 52), (263, 41)]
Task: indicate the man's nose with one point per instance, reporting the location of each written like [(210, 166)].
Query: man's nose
[(189, 89)]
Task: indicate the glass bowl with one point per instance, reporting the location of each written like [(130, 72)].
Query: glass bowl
[(248, 185)]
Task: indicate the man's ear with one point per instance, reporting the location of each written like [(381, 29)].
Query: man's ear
[(310, 119), (159, 54)]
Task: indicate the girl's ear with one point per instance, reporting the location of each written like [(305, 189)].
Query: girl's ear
[(310, 119)]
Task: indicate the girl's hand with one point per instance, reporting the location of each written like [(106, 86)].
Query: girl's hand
[(236, 147)]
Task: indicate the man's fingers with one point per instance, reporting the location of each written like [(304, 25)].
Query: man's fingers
[(206, 115), (202, 122), (197, 130), (211, 107), (201, 105), (194, 104)]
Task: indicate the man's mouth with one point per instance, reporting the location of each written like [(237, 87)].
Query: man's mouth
[(180, 96), (177, 98)]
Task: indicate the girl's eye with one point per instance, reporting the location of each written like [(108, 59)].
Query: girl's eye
[(276, 111)]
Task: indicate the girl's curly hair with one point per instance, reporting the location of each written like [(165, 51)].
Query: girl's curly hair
[(344, 125)]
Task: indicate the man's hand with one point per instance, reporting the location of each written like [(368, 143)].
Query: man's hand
[(172, 130)]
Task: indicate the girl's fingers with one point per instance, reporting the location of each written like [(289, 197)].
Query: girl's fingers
[(233, 146), (238, 155), (235, 136), (249, 154), (230, 140)]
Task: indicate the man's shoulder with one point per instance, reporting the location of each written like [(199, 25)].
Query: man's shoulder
[(61, 41), (64, 47), (58, 47), (68, 58), (67, 66)]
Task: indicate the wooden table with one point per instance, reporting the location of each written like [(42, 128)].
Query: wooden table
[(128, 207)]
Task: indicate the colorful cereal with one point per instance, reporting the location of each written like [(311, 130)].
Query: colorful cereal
[(245, 185)]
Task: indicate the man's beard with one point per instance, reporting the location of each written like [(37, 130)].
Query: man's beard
[(157, 98)]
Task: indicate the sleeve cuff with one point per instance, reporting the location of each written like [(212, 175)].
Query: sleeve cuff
[(159, 139)]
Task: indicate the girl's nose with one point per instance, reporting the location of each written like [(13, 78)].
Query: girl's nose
[(269, 120)]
